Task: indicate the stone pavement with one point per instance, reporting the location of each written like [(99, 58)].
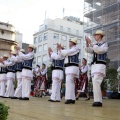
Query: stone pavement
[(41, 109)]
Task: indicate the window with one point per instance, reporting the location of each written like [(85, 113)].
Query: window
[(45, 36), (61, 28), (35, 40), (44, 58), (45, 47), (56, 36), (64, 37), (69, 30), (54, 46), (39, 48), (39, 60), (79, 40), (40, 38), (45, 27), (77, 32)]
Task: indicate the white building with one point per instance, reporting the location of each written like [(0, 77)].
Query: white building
[(7, 38), (56, 31), (18, 38)]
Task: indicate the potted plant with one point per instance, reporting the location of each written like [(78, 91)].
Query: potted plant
[(3, 111)]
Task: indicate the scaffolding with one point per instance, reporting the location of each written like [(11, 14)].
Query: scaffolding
[(105, 15)]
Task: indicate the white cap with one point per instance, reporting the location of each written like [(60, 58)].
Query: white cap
[(5, 56), (99, 32), (63, 46), (31, 46), (13, 52), (73, 40)]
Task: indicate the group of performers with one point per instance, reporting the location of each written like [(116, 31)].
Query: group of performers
[(20, 63), (40, 80), (67, 60)]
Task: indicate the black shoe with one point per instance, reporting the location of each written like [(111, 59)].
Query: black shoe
[(25, 98), (97, 104), (87, 99), (5, 97), (51, 100), (77, 98), (73, 101), (57, 101), (14, 98), (68, 102), (1, 96)]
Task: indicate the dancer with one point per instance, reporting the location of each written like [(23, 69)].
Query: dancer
[(27, 74), (98, 67), (71, 70), (43, 80), (3, 78), (57, 74), (19, 67), (11, 64), (83, 84), (37, 80)]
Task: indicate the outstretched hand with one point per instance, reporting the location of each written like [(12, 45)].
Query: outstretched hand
[(59, 47), (88, 41)]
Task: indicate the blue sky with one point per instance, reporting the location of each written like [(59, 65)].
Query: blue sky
[(27, 15)]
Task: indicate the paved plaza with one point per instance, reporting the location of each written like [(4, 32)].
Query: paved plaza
[(41, 109)]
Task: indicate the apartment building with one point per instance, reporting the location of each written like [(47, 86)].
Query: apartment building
[(56, 31)]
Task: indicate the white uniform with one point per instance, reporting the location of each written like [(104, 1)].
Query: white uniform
[(57, 77), (98, 71), (71, 72), (10, 77), (18, 91), (2, 80), (27, 75)]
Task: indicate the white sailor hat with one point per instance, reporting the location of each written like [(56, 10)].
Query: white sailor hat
[(73, 40), (99, 32)]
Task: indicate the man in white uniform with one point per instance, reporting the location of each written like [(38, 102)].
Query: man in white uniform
[(71, 70), (10, 74), (19, 66), (118, 70), (3, 78), (98, 67), (57, 74), (27, 74)]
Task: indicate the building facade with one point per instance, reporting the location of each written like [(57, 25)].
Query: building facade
[(104, 15), (56, 31), (7, 38)]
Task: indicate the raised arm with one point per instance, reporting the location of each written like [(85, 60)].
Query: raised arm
[(26, 56)]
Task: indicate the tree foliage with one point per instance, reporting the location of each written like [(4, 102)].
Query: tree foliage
[(3, 111)]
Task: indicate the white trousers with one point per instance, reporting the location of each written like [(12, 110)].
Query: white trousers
[(18, 91), (2, 88), (56, 86), (70, 88), (9, 89), (26, 87), (97, 80)]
